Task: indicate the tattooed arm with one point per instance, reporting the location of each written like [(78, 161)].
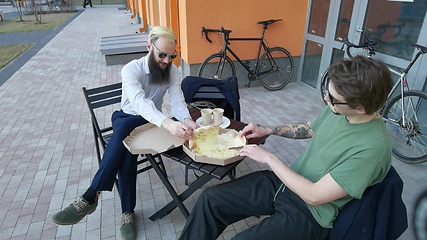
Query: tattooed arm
[(293, 130)]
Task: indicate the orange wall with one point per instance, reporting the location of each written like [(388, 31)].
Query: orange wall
[(153, 12), (142, 10), (241, 16)]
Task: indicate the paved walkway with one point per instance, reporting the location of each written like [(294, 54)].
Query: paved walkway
[(39, 38), (47, 156)]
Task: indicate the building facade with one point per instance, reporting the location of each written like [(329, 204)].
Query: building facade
[(313, 31)]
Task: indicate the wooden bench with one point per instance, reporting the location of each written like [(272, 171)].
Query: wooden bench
[(123, 49)]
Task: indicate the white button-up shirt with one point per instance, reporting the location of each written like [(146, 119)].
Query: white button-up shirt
[(139, 97)]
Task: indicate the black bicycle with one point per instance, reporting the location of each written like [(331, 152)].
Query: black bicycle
[(405, 114), (274, 68)]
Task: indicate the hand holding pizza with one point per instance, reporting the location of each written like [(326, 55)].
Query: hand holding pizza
[(178, 129), (191, 124)]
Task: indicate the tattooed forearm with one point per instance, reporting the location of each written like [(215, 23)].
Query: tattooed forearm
[(293, 130)]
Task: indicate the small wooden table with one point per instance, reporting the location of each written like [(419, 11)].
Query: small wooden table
[(208, 171)]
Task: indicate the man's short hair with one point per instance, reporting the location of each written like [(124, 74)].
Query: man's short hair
[(362, 81), (161, 31)]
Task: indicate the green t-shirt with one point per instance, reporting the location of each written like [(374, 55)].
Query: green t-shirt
[(356, 155)]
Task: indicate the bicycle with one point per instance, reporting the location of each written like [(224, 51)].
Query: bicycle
[(274, 68), (404, 114)]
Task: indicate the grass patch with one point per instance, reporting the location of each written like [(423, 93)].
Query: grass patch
[(49, 22), (9, 53)]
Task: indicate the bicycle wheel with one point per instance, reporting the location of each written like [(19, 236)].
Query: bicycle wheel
[(409, 140), (324, 86), (217, 67), (420, 217), (275, 69)]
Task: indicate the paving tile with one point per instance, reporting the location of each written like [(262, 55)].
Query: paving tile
[(35, 228), (6, 233), (47, 234), (22, 225)]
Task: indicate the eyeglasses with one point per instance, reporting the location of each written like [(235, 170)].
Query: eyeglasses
[(163, 54), (331, 98)]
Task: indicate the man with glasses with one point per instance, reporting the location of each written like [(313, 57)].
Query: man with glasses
[(144, 84), (350, 150)]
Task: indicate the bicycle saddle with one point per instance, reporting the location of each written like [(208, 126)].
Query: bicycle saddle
[(268, 22)]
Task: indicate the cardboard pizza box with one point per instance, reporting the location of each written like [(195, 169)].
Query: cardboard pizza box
[(204, 159), (150, 139)]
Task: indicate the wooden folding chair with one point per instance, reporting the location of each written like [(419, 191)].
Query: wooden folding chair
[(105, 98)]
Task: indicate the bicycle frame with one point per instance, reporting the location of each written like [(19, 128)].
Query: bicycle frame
[(262, 45), (403, 86)]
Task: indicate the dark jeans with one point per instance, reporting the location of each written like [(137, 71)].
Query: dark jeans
[(118, 160), (87, 2), (252, 195)]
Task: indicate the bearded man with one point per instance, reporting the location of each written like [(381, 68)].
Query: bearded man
[(144, 84)]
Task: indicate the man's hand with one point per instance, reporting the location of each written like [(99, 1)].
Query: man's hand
[(257, 153), (253, 131), (178, 129), (191, 124)]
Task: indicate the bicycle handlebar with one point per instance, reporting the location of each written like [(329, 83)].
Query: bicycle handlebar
[(207, 30), (367, 43)]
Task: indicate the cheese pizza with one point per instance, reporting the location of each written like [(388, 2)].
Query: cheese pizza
[(210, 142)]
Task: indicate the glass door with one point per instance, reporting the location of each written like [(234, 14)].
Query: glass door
[(395, 24), (326, 31)]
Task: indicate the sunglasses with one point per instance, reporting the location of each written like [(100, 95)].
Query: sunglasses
[(331, 98), (163, 54)]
